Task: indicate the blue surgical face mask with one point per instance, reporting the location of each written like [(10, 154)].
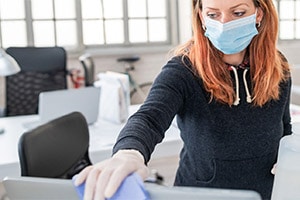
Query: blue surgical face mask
[(231, 37)]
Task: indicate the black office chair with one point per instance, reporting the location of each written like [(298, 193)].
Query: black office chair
[(89, 69), (57, 149), (42, 69)]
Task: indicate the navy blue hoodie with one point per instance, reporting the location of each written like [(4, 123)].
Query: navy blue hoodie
[(224, 146)]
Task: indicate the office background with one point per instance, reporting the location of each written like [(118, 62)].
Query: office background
[(109, 29), (61, 22)]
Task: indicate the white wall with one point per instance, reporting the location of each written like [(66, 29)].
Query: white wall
[(291, 49)]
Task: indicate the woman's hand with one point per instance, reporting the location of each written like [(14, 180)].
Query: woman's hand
[(104, 178)]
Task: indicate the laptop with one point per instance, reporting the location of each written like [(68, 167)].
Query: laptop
[(53, 104), (28, 188), (48, 188)]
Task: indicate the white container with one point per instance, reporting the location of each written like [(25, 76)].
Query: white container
[(287, 176)]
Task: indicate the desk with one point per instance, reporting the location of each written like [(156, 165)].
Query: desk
[(102, 137)]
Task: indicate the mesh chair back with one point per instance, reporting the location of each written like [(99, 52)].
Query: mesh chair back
[(57, 149), (42, 69)]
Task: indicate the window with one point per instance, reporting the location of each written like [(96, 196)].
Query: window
[(13, 24), (53, 24), (84, 23), (289, 18), (124, 21)]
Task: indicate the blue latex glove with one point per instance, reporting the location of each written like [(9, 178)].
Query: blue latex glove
[(131, 188)]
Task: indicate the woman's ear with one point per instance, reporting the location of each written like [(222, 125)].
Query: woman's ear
[(201, 19), (259, 15), (201, 16)]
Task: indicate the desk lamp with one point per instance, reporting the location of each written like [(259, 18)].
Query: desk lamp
[(8, 66)]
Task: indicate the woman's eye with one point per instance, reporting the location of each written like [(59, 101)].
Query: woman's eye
[(212, 15), (238, 14)]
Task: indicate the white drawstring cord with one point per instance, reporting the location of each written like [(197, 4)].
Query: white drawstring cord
[(237, 93), (249, 98), (237, 98)]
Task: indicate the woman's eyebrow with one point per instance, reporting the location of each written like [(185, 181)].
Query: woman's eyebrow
[(210, 8), (241, 4), (235, 6)]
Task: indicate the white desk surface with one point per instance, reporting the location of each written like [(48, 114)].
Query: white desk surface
[(102, 137)]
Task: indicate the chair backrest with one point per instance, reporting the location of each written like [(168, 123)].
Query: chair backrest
[(89, 68), (57, 149), (42, 69)]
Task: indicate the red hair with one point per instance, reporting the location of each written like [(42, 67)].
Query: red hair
[(268, 66)]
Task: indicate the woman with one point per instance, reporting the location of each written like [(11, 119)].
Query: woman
[(229, 87)]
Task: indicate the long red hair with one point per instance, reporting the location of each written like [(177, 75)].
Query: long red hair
[(268, 66)]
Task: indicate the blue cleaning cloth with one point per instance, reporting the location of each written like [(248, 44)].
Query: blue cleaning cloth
[(131, 188)]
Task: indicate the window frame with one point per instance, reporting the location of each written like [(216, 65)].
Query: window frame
[(294, 20), (172, 32)]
